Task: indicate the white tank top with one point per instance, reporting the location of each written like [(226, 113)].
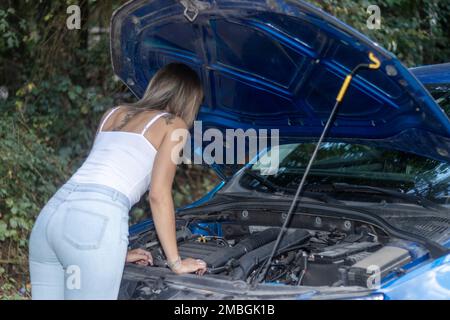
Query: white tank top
[(120, 160)]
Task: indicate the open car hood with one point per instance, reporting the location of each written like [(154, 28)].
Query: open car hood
[(279, 64)]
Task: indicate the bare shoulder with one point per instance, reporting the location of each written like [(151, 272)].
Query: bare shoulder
[(106, 113), (176, 129), (174, 122), (110, 110)]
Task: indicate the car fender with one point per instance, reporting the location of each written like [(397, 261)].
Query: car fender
[(430, 281)]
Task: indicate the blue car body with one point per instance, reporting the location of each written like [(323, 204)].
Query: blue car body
[(433, 74), (239, 48)]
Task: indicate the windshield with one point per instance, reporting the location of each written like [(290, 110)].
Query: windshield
[(356, 165)]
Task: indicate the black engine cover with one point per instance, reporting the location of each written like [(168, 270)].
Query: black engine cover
[(217, 256)]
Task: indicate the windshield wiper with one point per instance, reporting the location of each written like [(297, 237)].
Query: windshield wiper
[(263, 181), (427, 204), (278, 190)]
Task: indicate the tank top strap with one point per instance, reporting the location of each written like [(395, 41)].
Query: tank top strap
[(151, 122), (107, 117)]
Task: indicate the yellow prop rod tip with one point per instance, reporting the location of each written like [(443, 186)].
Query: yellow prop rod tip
[(374, 65), (376, 62), (344, 88)]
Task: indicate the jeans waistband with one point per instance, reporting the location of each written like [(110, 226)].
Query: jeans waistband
[(92, 187)]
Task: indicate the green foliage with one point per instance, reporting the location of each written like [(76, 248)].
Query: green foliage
[(415, 30), (9, 38), (8, 290), (29, 172)]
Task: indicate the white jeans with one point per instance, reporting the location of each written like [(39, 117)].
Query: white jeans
[(79, 243)]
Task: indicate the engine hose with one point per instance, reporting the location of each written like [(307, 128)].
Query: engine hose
[(256, 240), (249, 261)]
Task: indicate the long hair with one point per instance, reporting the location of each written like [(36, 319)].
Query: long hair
[(175, 89)]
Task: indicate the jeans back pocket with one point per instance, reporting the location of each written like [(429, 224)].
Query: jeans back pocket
[(84, 229)]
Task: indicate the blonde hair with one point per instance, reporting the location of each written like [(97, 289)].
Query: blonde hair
[(175, 89)]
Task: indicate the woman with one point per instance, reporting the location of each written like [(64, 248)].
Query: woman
[(78, 246)]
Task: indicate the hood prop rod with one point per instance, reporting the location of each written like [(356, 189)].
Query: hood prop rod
[(262, 272)]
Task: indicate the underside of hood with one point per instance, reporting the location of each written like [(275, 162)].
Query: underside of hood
[(279, 64)]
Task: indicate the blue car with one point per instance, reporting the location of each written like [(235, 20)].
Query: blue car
[(373, 220)]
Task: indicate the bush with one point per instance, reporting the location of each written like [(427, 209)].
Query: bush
[(29, 173)]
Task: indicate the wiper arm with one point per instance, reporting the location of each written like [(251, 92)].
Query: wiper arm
[(427, 204), (282, 190), (266, 183)]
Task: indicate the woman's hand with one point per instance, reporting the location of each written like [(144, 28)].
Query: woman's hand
[(140, 256), (189, 266)]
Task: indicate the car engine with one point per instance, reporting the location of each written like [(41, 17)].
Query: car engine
[(305, 257)]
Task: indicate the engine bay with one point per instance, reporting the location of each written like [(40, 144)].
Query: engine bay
[(349, 253)]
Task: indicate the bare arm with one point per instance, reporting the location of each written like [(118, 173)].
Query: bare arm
[(161, 203)]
